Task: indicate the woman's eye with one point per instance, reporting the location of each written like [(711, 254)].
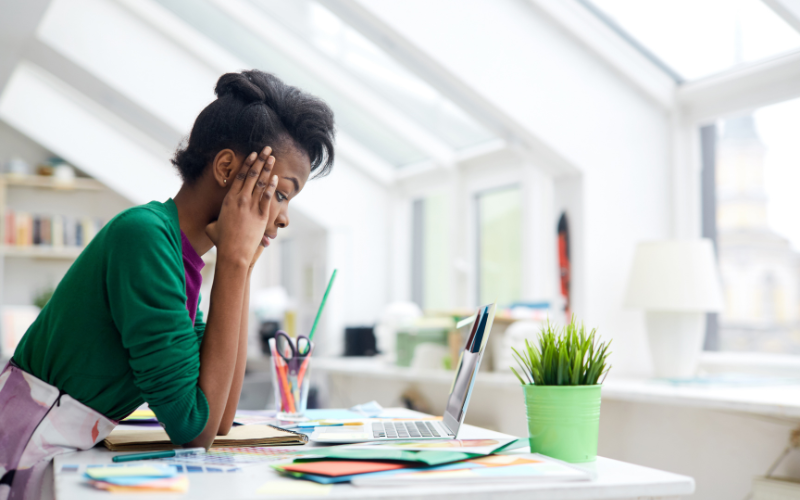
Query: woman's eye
[(280, 196)]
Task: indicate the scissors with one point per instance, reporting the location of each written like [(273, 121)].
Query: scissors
[(292, 354)]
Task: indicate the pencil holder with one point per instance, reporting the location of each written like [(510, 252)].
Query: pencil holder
[(290, 382)]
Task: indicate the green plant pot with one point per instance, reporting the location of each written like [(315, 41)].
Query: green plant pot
[(563, 420)]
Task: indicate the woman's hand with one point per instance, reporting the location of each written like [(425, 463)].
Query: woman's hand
[(239, 232)]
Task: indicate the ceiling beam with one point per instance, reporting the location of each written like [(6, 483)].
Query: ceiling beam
[(86, 134), (18, 24), (460, 92), (614, 47), (741, 89), (788, 10), (66, 70)]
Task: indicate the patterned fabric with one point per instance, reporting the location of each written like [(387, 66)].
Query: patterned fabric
[(37, 422)]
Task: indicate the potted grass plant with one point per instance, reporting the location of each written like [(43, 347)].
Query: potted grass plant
[(561, 379)]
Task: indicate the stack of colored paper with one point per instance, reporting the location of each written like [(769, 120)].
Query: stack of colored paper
[(399, 463), (492, 468), (138, 479)]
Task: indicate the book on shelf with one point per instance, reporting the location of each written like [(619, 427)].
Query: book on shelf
[(56, 231)]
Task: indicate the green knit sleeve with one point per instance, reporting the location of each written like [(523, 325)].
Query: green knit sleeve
[(147, 299)]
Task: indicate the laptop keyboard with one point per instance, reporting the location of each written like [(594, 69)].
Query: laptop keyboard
[(404, 430)]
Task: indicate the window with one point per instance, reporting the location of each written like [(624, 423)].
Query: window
[(756, 170), (697, 38), (431, 259), (314, 25), (500, 245)]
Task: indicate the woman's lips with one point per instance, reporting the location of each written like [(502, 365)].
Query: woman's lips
[(265, 241)]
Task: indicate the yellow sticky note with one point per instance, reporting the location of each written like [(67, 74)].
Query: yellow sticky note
[(294, 487), (141, 414)]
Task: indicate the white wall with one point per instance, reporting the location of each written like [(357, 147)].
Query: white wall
[(354, 210), (616, 138)]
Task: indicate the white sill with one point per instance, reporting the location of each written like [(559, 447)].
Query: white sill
[(772, 397), (751, 363)]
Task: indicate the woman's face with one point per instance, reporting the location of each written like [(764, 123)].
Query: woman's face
[(293, 168)]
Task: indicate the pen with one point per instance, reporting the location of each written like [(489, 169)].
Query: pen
[(158, 454)]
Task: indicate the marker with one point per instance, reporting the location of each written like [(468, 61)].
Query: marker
[(158, 454)]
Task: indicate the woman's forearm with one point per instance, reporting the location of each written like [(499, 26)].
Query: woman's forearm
[(241, 364), (220, 346)]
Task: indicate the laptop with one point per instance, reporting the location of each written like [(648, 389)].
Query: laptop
[(386, 430)]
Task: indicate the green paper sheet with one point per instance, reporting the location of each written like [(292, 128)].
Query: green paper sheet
[(420, 457)]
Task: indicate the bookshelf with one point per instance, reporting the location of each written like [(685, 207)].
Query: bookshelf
[(38, 252), (83, 206), (44, 182)]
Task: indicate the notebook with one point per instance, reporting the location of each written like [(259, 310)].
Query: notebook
[(156, 439)]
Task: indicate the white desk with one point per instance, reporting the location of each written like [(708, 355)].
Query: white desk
[(614, 480)]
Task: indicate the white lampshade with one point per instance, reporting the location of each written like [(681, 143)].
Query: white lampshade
[(675, 275)]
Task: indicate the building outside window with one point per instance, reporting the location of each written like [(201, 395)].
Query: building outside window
[(756, 170)]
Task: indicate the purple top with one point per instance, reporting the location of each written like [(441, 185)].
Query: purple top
[(192, 265)]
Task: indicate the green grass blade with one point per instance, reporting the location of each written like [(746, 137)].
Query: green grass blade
[(518, 377)]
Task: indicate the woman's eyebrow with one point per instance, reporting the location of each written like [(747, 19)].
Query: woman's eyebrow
[(295, 182)]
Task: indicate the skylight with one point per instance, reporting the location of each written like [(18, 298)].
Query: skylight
[(371, 65), (698, 38), (257, 53)]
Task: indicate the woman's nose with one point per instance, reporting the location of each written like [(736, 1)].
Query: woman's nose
[(282, 221)]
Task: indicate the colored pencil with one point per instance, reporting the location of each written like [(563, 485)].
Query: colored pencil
[(322, 306), (278, 374), (287, 387)]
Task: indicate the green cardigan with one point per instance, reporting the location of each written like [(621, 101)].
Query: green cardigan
[(116, 332)]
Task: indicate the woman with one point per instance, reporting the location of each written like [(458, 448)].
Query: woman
[(123, 326)]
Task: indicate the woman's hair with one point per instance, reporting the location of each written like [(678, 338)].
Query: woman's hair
[(252, 110)]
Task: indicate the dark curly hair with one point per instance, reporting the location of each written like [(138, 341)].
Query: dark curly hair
[(252, 110)]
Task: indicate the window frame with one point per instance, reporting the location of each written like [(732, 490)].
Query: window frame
[(699, 104)]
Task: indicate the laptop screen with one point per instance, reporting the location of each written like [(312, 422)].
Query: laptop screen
[(467, 368)]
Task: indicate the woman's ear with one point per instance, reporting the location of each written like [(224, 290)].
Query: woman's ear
[(224, 167)]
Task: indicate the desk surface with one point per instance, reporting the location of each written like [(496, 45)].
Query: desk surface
[(613, 480)]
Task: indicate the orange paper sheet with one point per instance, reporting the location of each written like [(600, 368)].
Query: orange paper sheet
[(336, 468)]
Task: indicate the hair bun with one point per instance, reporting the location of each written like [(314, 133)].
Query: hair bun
[(239, 86)]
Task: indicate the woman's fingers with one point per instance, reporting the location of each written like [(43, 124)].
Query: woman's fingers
[(263, 203), (263, 180), (241, 175), (255, 170)]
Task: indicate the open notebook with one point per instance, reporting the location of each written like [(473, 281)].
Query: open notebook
[(155, 439)]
